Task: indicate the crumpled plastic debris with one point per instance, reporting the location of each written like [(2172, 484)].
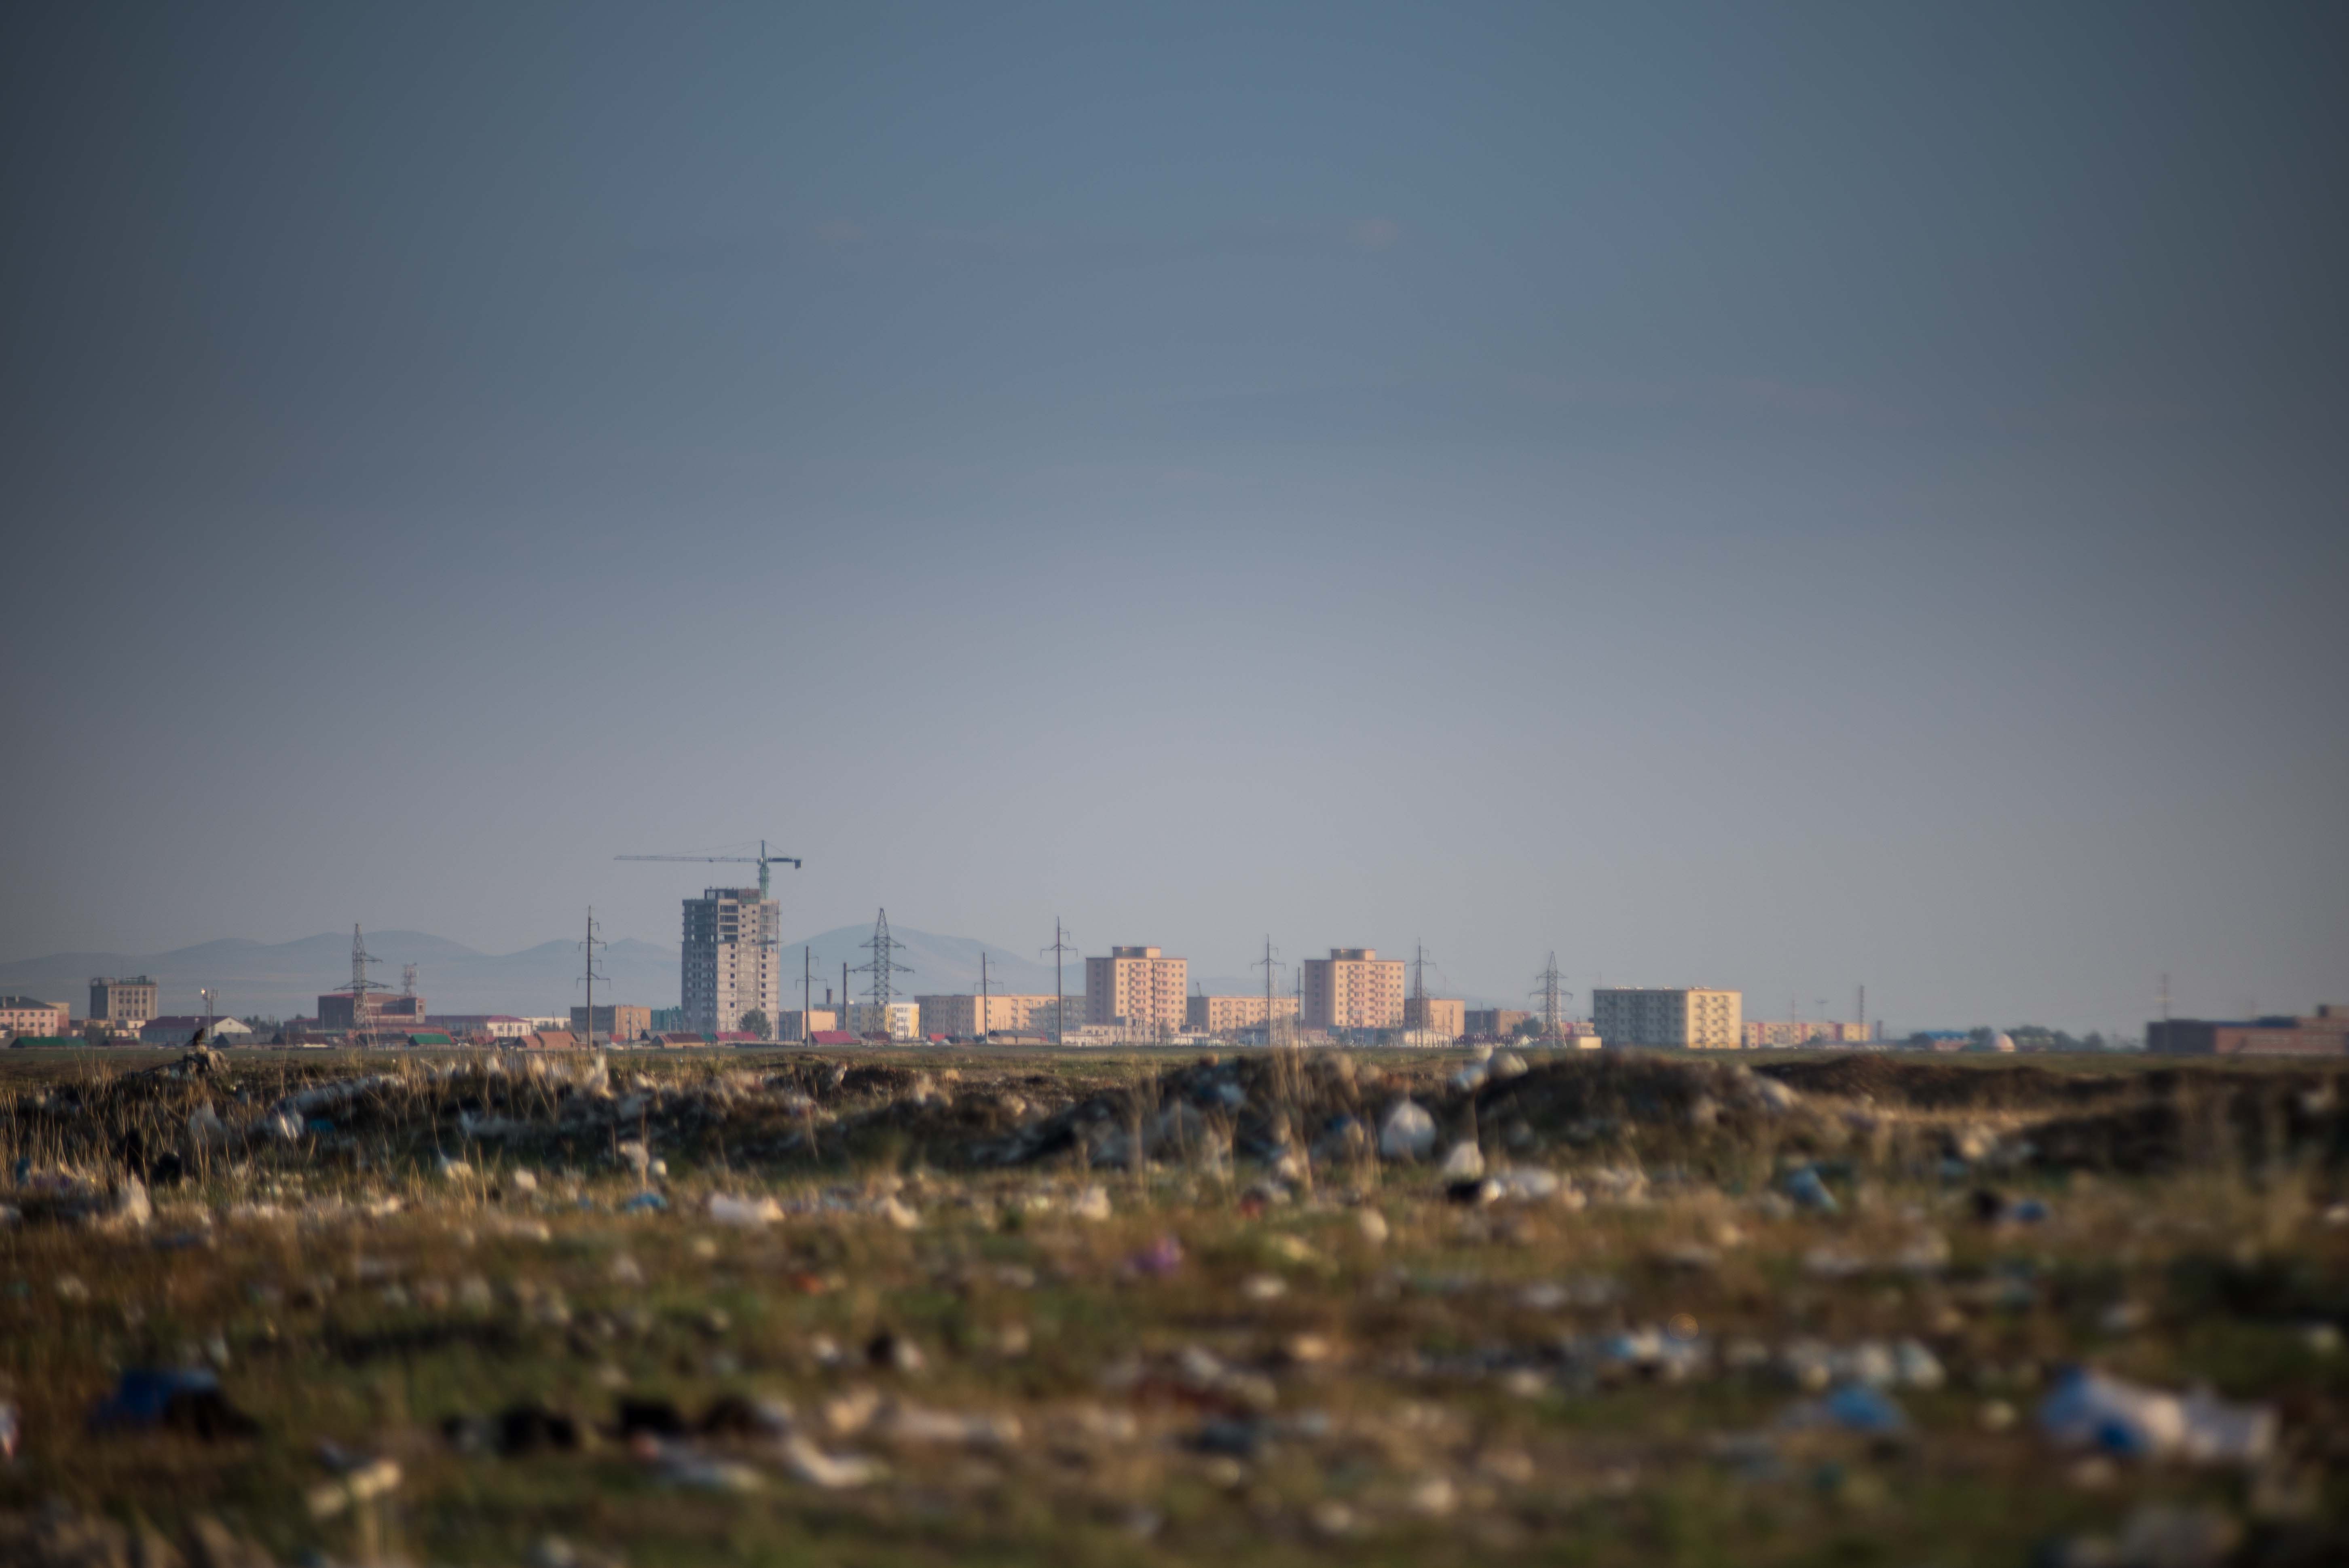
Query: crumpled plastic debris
[(646, 1204), (1407, 1131), (187, 1401), (751, 1213), (1853, 1407), (2091, 1409), (1158, 1260), (832, 1472), (1804, 1185)]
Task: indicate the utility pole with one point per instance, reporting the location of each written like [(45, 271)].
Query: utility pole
[(1860, 1007), (1418, 987), (984, 1017), (807, 988), (1268, 963), (1061, 946), (588, 947)]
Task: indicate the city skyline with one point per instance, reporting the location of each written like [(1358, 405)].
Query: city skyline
[(1734, 499)]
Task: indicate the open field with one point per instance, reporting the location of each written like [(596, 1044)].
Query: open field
[(1103, 1307)]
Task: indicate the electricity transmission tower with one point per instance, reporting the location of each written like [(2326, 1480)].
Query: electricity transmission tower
[(362, 1017), (1421, 1022), (1548, 992), (884, 967), (588, 948), (1061, 946), (1270, 964)]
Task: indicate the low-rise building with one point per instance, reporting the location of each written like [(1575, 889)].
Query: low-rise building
[(1781, 1032), (384, 1014), (177, 1032), (2326, 1033), (1493, 1023), (1234, 1014), (1353, 988), (967, 1017), (798, 1024), (1690, 1016), (621, 1021), (896, 1020), (1445, 1017), (31, 1016), (479, 1025)]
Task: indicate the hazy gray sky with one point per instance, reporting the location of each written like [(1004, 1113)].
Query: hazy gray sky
[(1768, 497)]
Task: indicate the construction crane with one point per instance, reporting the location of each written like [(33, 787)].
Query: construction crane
[(763, 859)]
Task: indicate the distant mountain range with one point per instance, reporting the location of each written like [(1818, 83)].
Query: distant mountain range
[(285, 979)]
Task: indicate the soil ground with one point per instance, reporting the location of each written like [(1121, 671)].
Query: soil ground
[(897, 1306)]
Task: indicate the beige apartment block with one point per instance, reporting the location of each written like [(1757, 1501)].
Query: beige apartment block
[(130, 1001), (1230, 1015), (1443, 1015), (970, 1016), (1697, 1018), (1137, 989), (1353, 988), (797, 1023)]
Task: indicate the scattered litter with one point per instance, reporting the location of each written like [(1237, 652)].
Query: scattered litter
[(1804, 1185), (750, 1212), (361, 1484), (187, 1402), (1370, 1225), (517, 1430), (1091, 1203), (2091, 1409), (1159, 1259), (1407, 1132), (706, 1474), (1853, 1407), (1466, 1162), (644, 1203), (890, 1352), (832, 1472)]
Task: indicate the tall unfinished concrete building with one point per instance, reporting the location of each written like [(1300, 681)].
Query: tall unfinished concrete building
[(730, 965)]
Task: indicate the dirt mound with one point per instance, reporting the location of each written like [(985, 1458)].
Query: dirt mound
[(2242, 1121), (1946, 1085)]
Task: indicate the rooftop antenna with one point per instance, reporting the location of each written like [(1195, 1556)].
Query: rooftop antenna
[(1546, 987), (1269, 964), (884, 966), (1061, 946)]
